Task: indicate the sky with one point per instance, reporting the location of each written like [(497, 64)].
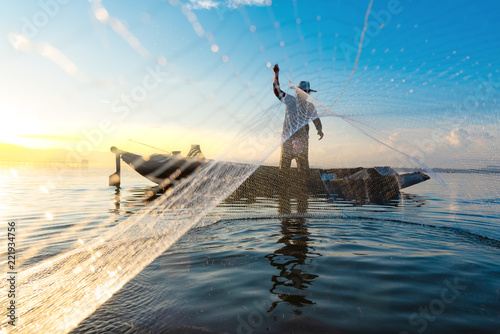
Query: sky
[(86, 75)]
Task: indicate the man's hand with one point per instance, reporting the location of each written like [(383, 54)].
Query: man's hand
[(276, 68), (320, 134)]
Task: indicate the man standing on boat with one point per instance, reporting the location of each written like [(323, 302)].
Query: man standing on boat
[(298, 114)]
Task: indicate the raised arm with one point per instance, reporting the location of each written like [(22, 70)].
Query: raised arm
[(276, 83)]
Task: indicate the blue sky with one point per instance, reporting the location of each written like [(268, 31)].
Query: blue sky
[(428, 73)]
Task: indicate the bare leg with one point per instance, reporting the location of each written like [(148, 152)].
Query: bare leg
[(285, 162), (303, 172), (284, 178)]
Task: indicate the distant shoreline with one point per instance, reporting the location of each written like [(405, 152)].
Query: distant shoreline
[(90, 164), (452, 170)]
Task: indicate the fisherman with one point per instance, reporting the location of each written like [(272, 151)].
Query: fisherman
[(296, 129)]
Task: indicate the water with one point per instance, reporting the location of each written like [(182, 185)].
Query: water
[(425, 263)]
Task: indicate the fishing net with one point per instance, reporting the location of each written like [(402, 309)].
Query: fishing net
[(403, 88)]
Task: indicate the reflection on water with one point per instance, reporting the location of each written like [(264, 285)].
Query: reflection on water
[(296, 256), (292, 262), (302, 263), (300, 267), (116, 211), (129, 202)]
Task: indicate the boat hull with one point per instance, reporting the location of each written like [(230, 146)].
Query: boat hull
[(373, 185), (364, 185), (164, 170)]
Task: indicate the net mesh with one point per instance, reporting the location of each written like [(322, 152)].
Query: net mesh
[(397, 85)]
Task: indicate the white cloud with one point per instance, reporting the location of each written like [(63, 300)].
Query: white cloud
[(395, 136), (458, 137), (209, 4), (478, 138), (203, 4), (238, 3)]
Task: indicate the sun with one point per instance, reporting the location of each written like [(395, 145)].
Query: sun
[(15, 123)]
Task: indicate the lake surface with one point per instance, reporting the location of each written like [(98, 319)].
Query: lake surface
[(427, 262)]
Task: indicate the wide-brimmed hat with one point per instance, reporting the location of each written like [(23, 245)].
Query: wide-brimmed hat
[(305, 86)]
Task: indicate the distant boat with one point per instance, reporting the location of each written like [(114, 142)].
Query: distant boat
[(377, 184)]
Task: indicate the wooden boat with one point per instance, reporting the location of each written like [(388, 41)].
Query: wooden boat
[(364, 185), (162, 169), (374, 185)]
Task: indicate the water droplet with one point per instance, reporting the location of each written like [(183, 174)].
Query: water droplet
[(162, 61)]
